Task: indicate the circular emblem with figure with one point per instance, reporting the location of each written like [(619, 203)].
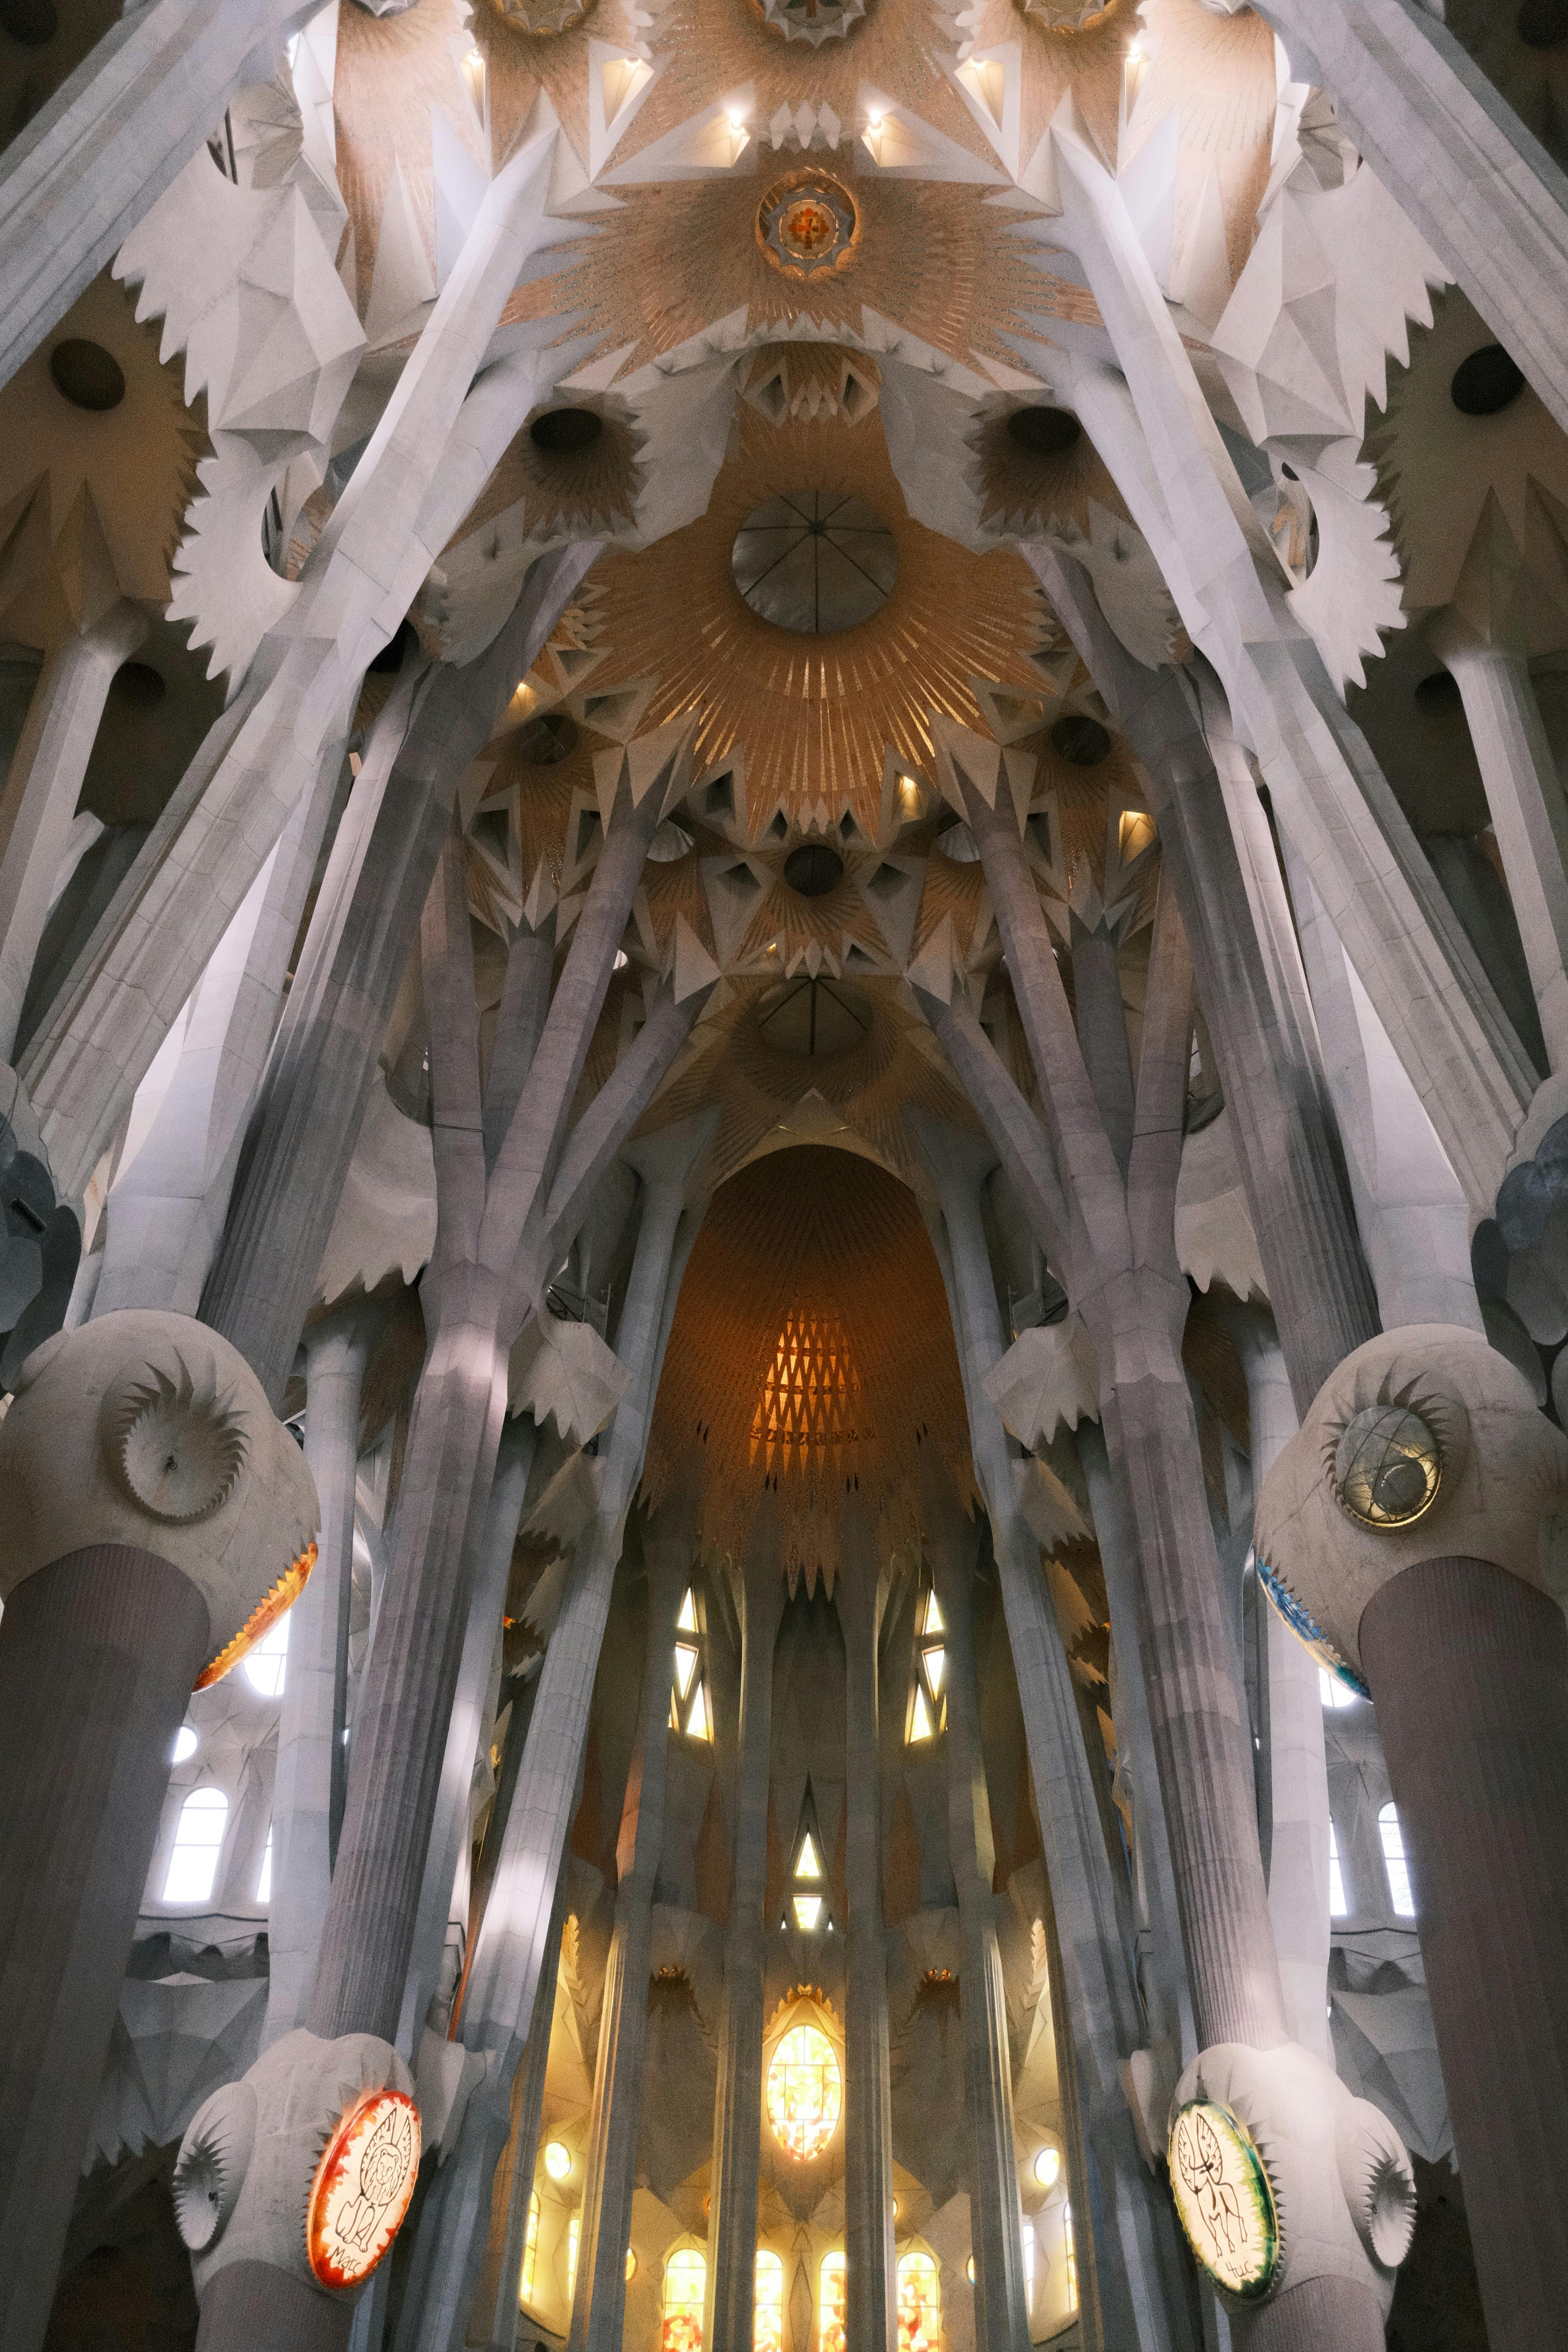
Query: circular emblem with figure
[(1224, 2199), (361, 2187)]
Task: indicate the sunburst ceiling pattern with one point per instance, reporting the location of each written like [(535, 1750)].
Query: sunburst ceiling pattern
[(810, 1245)]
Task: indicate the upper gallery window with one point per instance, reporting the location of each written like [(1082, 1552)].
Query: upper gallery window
[(807, 1905), (267, 1666), (1070, 2250), (919, 2303), (805, 2091), (1401, 1893), (529, 2251), (198, 1841), (689, 1708), (928, 1700), (833, 2304), (685, 2285), (1339, 1909), (767, 2317)]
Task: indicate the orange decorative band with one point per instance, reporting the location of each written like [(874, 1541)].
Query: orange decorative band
[(283, 1595), (361, 2187)]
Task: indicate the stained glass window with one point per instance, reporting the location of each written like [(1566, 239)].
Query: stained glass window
[(573, 2240), (919, 2303), (198, 1842), (1027, 2235), (805, 2091), (1401, 1891), (1070, 2250), (767, 2323), (689, 1708), (833, 2304), (529, 2251), (684, 2284), (1338, 1906), (928, 1700), (267, 1665)]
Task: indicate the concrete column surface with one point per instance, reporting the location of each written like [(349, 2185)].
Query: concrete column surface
[(98, 1654), (1469, 1669), (731, 2303), (870, 2278), (492, 2315), (312, 1774)]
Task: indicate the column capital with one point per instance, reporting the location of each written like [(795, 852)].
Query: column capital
[(1423, 1444)]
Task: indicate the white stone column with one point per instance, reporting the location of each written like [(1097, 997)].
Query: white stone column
[(43, 785), (870, 2277)]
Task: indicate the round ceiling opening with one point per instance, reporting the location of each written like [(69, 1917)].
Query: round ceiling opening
[(550, 737), (566, 431), (1486, 382), (1043, 432), (138, 684), (89, 376), (814, 562), (1080, 739), (34, 22), (813, 869), (813, 1019)]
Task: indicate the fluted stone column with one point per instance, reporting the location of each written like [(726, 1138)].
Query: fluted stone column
[(1454, 1613), (731, 2303), (870, 2278), (43, 785), (113, 1604), (598, 2308), (499, 2000), (313, 1768), (492, 2315), (1001, 2298)]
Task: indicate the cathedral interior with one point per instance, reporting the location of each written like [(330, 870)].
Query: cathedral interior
[(783, 1152)]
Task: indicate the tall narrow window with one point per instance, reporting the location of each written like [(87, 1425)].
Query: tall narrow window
[(805, 2091), (267, 1666), (767, 2318), (1028, 2237), (1401, 1893), (529, 2251), (685, 2283), (573, 2240), (264, 1877), (833, 2304), (919, 2303), (928, 1700), (808, 1908), (688, 1709), (198, 1841), (1338, 1906), (1070, 2251)]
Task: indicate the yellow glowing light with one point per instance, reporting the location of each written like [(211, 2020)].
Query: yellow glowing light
[(631, 2264), (767, 2314), (685, 1668), (529, 2251), (685, 2285), (1047, 2167), (920, 1718), (936, 1666), (969, 2270), (686, 1620), (805, 2090), (557, 2160), (910, 798), (833, 2304), (573, 2240), (700, 1722), (807, 1911), (934, 1620), (808, 1866), (1134, 834), (919, 2303)]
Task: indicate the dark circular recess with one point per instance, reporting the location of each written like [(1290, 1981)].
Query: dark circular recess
[(544, 741), (1542, 24), (139, 685), (1043, 432), (89, 376), (1079, 739), (1437, 695), (1486, 382), (813, 869), (395, 652), (34, 22), (566, 431)]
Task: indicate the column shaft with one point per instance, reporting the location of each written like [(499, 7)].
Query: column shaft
[(870, 2278), (106, 1641), (738, 2100), (492, 2315), (1469, 1669)]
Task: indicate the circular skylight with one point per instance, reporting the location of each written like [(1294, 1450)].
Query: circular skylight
[(814, 562)]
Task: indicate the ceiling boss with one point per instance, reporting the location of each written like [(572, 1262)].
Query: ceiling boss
[(808, 225)]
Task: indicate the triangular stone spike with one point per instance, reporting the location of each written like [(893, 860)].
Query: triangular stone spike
[(933, 968), (960, 753), (616, 711), (656, 762), (539, 897), (1018, 768), (694, 967), (84, 564)]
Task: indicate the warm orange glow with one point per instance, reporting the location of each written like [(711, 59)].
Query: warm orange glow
[(261, 1620), (919, 2303), (361, 2187), (805, 2091), (811, 1394)]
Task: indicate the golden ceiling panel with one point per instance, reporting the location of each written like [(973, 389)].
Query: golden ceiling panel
[(811, 1346), (812, 716)]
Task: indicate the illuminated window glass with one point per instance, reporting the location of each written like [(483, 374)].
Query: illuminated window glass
[(927, 1699), (573, 2240), (1334, 1693), (1027, 2233), (684, 2284), (805, 2091), (1070, 2251), (919, 2303), (1401, 1891), (689, 1708), (833, 2304), (808, 1906), (1338, 1906), (267, 1666), (185, 1745), (198, 1841), (264, 1879), (529, 2251), (767, 2322)]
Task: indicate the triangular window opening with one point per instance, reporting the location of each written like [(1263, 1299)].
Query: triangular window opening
[(807, 1906), (688, 1709), (928, 1696)]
